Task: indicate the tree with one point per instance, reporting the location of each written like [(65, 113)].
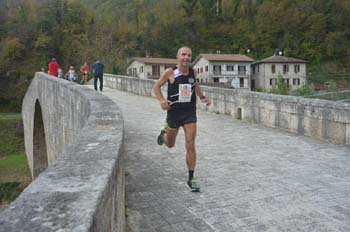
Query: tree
[(281, 87), (12, 51), (190, 35)]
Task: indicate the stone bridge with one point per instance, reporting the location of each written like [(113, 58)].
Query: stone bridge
[(265, 162)]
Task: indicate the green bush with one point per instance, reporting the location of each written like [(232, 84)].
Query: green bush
[(9, 191), (304, 90), (10, 143), (281, 87), (332, 86)]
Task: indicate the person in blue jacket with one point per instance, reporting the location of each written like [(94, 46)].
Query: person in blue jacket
[(97, 70)]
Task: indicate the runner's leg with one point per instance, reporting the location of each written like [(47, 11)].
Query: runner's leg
[(190, 137), (170, 137)]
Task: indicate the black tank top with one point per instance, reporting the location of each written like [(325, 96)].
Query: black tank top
[(173, 89)]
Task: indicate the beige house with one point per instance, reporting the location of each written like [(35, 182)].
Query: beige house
[(233, 69), (265, 72), (149, 68)]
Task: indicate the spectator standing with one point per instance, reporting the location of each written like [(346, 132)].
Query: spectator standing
[(60, 73), (97, 70), (84, 72), (53, 67)]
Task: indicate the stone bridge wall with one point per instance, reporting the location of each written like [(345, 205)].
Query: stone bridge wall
[(74, 146), (320, 119)]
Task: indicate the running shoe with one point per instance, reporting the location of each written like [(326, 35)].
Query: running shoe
[(160, 139), (194, 186)]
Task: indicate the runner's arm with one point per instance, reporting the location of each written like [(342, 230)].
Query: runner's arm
[(157, 88), (198, 90)]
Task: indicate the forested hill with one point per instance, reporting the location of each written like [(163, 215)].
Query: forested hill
[(112, 30)]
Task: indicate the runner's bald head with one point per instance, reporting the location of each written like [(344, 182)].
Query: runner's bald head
[(180, 49)]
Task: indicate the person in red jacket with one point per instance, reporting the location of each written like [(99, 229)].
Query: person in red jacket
[(53, 67)]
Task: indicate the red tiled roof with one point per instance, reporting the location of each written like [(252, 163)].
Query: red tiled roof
[(151, 60), (280, 59), (225, 57)]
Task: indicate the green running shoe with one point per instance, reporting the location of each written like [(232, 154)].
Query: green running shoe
[(160, 139), (194, 186)]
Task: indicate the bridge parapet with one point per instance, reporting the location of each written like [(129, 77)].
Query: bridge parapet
[(320, 119), (73, 140)]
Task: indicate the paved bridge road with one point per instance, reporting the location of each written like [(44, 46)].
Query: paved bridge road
[(253, 178)]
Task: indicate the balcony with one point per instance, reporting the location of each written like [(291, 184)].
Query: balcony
[(243, 72), (230, 73)]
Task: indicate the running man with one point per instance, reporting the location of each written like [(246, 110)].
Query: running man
[(180, 105)]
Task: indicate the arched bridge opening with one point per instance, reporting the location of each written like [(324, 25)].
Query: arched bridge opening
[(40, 161)]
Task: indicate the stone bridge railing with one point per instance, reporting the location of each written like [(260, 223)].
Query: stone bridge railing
[(320, 119), (74, 146)]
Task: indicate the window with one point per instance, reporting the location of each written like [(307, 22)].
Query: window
[(285, 68), (257, 68), (241, 70), (296, 68), (253, 69), (206, 68), (273, 68), (141, 69), (155, 70), (216, 79), (273, 81), (286, 81), (201, 69), (296, 81), (230, 67), (217, 69)]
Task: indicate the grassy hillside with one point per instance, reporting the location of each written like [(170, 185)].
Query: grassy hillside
[(14, 170)]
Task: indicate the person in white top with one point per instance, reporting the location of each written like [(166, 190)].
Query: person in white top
[(60, 73), (71, 74)]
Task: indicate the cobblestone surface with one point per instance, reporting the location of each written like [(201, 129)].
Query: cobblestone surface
[(252, 178)]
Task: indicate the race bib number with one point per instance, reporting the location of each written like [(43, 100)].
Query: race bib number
[(185, 92)]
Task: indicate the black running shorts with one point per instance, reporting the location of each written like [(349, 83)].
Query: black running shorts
[(179, 117)]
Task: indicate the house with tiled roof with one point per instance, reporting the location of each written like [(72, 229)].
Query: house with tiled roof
[(232, 69), (149, 67), (265, 72)]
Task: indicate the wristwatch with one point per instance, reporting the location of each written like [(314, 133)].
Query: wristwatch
[(202, 97)]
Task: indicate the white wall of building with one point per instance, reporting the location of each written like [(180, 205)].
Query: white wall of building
[(142, 70), (225, 75), (137, 69), (264, 73)]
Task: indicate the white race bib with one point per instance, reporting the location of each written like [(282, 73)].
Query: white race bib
[(185, 92)]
